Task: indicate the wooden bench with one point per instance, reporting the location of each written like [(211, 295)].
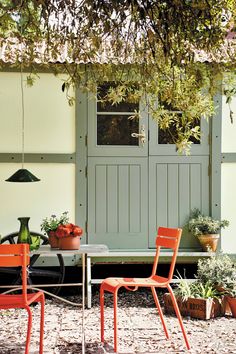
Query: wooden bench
[(131, 257)]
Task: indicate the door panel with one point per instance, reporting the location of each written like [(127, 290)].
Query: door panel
[(176, 185), (118, 202)]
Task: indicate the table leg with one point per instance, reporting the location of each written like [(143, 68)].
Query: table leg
[(83, 303), (88, 283)]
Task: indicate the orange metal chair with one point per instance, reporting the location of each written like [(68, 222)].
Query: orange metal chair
[(14, 256), (167, 238)]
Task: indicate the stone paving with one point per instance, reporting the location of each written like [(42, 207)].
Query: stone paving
[(140, 330)]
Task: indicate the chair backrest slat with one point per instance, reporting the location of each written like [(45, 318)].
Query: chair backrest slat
[(166, 242), (10, 260), (13, 255), (168, 237)]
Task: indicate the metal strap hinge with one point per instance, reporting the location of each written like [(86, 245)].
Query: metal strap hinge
[(209, 139), (209, 169)]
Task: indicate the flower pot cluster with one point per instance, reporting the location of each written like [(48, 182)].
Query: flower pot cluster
[(212, 294), (61, 233)]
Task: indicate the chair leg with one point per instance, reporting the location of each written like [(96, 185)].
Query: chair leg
[(41, 325), (115, 321), (102, 313), (160, 311), (176, 307), (28, 330)]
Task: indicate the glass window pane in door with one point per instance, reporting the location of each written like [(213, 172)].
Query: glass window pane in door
[(116, 130)]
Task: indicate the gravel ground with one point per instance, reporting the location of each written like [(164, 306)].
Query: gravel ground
[(140, 330)]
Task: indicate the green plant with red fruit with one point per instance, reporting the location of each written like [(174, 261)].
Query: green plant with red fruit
[(68, 230), (60, 227)]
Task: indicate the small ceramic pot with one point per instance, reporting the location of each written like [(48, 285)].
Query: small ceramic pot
[(69, 243), (209, 242), (53, 240)]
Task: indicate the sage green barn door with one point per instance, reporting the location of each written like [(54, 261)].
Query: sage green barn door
[(117, 175), (136, 184)]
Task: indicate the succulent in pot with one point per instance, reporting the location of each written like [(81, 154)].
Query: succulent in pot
[(206, 229)]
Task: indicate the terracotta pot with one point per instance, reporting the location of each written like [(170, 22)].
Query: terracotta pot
[(69, 243), (232, 304), (225, 306), (209, 242), (53, 240)]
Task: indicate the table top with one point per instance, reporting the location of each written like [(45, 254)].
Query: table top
[(84, 249)]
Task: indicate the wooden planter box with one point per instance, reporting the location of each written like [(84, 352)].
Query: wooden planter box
[(203, 309)]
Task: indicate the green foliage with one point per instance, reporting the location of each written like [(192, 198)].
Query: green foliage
[(199, 224), (183, 289), (216, 276), (51, 223), (220, 270), (204, 291), (197, 290), (151, 45)]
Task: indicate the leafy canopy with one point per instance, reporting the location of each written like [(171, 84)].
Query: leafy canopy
[(173, 51)]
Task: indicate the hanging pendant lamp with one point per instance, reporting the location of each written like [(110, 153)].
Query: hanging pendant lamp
[(22, 175)]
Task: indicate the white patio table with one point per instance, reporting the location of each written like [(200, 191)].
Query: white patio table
[(46, 250)]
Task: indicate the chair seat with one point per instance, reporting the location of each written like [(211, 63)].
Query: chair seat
[(8, 301), (110, 284)]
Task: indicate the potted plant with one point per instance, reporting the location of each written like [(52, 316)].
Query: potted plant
[(69, 236), (206, 229), (61, 233), (195, 299)]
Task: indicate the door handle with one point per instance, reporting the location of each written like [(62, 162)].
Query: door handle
[(141, 136)]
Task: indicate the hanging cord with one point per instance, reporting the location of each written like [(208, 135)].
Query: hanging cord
[(22, 89), (22, 114)]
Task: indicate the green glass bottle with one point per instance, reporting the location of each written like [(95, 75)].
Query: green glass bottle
[(24, 233)]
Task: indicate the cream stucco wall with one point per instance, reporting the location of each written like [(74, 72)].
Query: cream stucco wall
[(228, 179), (49, 128), (54, 194), (49, 120)]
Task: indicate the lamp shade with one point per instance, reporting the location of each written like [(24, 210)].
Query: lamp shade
[(22, 175)]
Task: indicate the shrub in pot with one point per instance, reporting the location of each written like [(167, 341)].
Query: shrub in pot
[(221, 271), (206, 229)]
